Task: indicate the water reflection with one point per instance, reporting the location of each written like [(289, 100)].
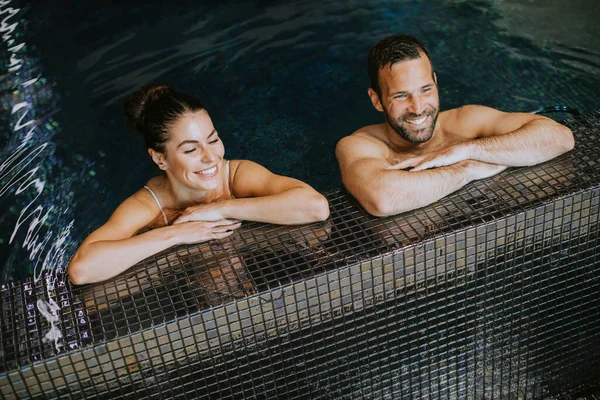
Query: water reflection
[(289, 76)]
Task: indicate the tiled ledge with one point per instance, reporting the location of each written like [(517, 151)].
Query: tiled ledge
[(208, 311)]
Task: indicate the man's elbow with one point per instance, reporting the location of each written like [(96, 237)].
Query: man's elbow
[(378, 206), (567, 141)]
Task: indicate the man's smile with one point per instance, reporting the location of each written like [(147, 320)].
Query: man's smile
[(417, 122)]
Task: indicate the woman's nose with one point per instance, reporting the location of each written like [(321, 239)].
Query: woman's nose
[(208, 156)]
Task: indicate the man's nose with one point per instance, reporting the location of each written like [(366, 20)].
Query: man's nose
[(416, 105)]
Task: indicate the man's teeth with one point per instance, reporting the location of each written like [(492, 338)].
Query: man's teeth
[(209, 171), (419, 121)]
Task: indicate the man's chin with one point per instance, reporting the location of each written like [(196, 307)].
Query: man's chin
[(418, 136)]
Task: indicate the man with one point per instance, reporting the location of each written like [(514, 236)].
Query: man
[(420, 155)]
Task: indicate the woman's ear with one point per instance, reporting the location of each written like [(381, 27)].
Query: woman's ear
[(158, 158)]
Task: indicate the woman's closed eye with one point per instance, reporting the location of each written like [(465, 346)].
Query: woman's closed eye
[(188, 151)]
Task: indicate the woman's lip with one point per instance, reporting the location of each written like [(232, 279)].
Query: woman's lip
[(213, 171)]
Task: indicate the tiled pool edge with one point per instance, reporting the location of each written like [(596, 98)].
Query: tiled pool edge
[(331, 295)]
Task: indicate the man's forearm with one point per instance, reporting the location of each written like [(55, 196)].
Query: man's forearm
[(395, 191), (535, 142)]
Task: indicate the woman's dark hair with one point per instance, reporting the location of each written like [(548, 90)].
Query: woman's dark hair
[(154, 109), (391, 50)]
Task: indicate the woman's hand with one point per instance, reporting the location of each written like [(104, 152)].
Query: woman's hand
[(202, 231), (201, 212)]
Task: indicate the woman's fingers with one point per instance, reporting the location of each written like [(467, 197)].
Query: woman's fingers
[(223, 222), (221, 235), (226, 228), (188, 218), (181, 219)]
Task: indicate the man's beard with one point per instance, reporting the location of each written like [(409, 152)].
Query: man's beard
[(413, 135)]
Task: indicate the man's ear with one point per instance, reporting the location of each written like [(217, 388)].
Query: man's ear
[(158, 158), (375, 100), (434, 78)]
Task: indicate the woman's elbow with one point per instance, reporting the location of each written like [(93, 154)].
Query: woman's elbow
[(319, 208), (76, 272)]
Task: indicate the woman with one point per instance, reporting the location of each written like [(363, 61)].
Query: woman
[(201, 196)]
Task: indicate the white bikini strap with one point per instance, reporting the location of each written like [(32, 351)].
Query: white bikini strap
[(159, 206), (229, 180)]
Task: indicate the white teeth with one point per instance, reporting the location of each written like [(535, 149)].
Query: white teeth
[(209, 171), (416, 121)]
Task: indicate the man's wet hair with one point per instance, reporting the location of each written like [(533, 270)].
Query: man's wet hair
[(391, 50)]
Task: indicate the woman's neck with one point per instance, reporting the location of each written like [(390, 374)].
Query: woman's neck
[(183, 196)]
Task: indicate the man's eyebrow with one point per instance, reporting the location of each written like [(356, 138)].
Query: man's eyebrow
[(406, 91)]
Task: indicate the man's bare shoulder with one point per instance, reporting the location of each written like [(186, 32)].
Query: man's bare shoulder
[(476, 121), (466, 113), (370, 137), (468, 120)]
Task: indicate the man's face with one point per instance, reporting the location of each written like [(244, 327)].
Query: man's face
[(409, 99)]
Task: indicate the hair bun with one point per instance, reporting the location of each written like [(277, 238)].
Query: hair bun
[(137, 104)]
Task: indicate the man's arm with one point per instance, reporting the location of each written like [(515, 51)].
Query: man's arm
[(511, 139), (384, 190)]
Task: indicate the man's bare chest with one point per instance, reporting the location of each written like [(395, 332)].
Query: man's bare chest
[(396, 155)]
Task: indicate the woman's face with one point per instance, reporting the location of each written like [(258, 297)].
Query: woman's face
[(194, 152)]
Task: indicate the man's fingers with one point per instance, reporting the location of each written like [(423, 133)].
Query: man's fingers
[(421, 166), (411, 162)]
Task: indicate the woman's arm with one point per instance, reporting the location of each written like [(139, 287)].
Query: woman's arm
[(113, 248), (265, 197)]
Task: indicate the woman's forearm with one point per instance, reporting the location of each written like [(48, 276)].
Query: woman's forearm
[(105, 259), (99, 259), (293, 206)]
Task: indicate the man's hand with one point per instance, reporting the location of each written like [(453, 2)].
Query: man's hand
[(480, 170), (441, 158)]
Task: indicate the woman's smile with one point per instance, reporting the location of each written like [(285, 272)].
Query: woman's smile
[(208, 173)]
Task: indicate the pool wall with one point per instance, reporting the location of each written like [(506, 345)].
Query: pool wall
[(491, 292)]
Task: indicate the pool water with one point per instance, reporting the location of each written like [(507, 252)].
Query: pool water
[(282, 80)]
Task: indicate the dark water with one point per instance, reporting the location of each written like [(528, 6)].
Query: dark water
[(282, 80)]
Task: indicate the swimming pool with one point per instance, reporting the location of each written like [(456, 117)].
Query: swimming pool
[(491, 292), (283, 82)]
